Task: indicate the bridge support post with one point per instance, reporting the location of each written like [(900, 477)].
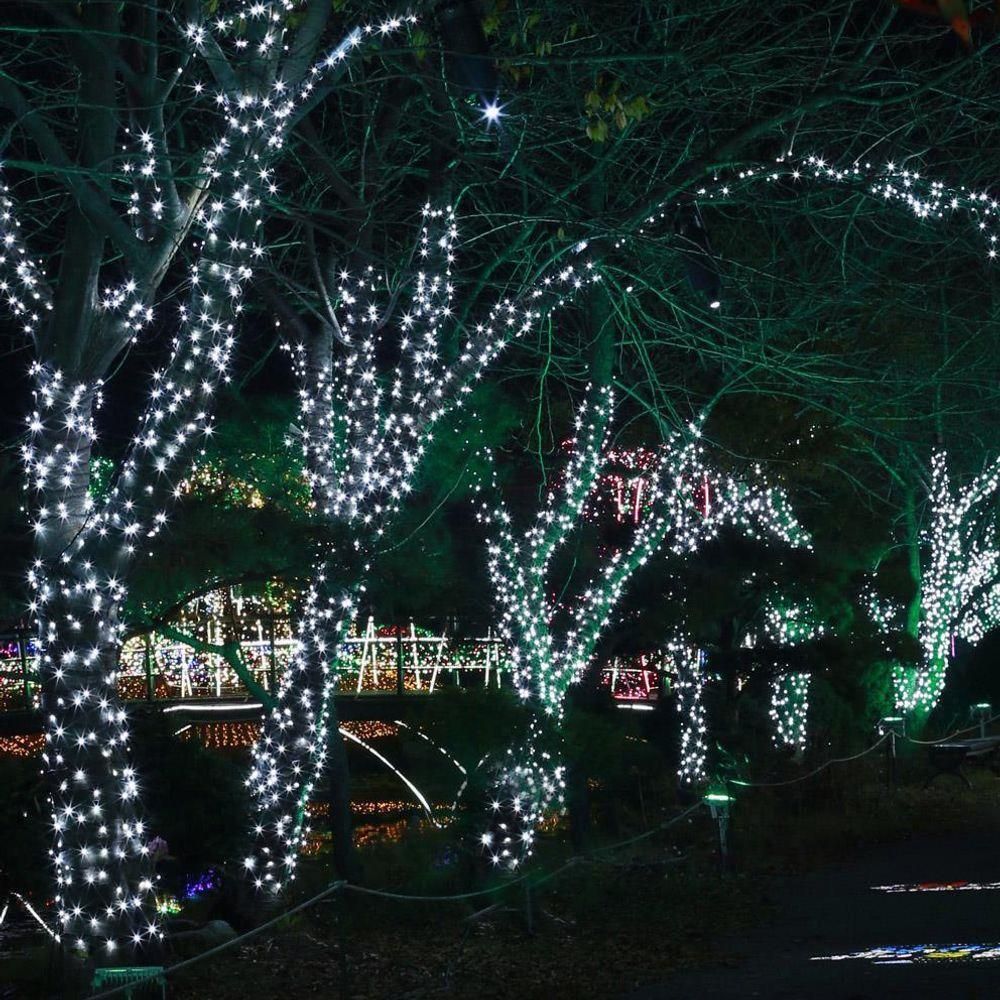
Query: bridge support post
[(148, 662), (23, 655), (399, 662), (272, 666)]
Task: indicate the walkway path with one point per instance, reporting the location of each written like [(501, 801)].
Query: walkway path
[(836, 912)]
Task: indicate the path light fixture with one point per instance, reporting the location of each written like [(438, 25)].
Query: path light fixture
[(981, 712), (719, 804)]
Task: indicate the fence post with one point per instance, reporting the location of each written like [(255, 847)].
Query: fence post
[(24, 666), (399, 662), (272, 669), (892, 726), (148, 657)]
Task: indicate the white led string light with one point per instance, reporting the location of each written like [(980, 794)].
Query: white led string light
[(79, 583), (961, 584), (790, 624), (282, 782), (283, 795), (688, 506), (77, 594), (690, 680), (891, 184), (363, 435), (959, 587)]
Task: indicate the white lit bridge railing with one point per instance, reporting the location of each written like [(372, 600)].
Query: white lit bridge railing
[(377, 659)]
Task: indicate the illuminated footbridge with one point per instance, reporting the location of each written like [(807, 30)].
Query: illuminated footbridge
[(213, 669)]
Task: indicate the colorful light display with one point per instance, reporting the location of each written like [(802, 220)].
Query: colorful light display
[(910, 954), (27, 746), (958, 886)]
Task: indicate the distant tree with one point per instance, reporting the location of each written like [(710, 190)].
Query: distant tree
[(552, 640)]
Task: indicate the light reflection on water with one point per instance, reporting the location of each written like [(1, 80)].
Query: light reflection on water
[(910, 954), (957, 886), (384, 821)]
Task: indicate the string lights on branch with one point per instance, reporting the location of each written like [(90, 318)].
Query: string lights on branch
[(86, 547), (960, 582), (960, 588), (925, 199), (790, 623), (690, 683), (551, 644), (364, 429)]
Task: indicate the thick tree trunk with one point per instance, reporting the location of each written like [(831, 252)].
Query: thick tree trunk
[(345, 857), (914, 606), (98, 851)]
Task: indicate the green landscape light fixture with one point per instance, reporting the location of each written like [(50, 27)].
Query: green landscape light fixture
[(982, 712), (894, 724), (718, 805)]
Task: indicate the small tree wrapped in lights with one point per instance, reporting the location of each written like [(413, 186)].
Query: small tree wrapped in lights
[(958, 583), (960, 589), (551, 646)]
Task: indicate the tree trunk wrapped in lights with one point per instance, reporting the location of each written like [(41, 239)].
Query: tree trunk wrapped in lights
[(790, 623), (960, 586), (79, 324), (955, 570), (689, 695), (364, 428), (552, 646)]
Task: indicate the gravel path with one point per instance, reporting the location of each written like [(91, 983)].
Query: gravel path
[(835, 912)]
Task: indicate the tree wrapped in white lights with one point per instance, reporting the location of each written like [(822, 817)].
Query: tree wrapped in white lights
[(789, 623), (960, 586), (80, 320), (550, 646), (365, 424), (690, 681)]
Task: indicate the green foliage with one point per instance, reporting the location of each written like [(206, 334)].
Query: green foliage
[(244, 516), (433, 563), (101, 471), (474, 723), (608, 747), (23, 827), (196, 797)]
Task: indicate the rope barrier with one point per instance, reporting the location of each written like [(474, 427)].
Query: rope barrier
[(951, 736), (814, 772), (344, 886), (534, 880), (857, 756)]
